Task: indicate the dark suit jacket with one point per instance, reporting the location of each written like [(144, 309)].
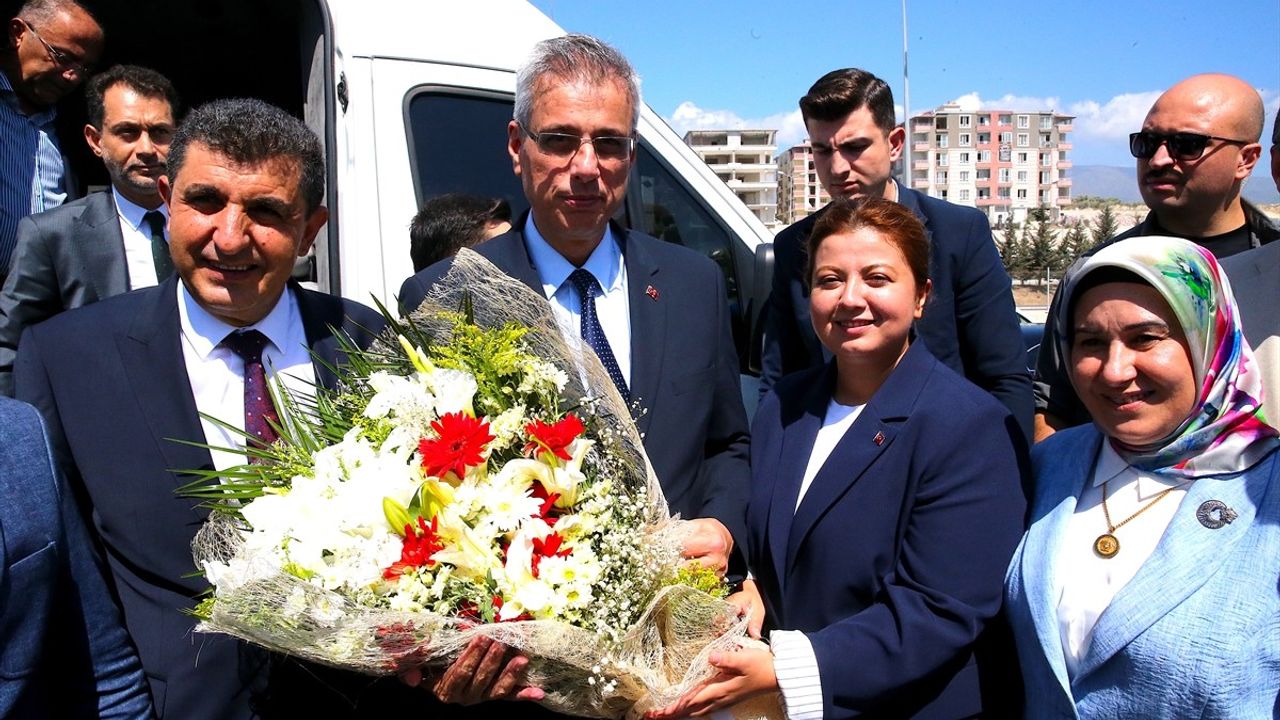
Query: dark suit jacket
[(111, 382), (684, 369), (893, 565), (63, 648), (66, 257), (969, 322)]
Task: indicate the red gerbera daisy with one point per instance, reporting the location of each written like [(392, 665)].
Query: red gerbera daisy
[(554, 438), (416, 550), (460, 444)]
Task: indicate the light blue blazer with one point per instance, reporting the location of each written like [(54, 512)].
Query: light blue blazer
[(1195, 634)]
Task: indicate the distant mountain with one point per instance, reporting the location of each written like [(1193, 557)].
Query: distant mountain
[(1120, 182)]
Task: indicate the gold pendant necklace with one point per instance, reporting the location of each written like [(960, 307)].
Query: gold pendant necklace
[(1107, 545)]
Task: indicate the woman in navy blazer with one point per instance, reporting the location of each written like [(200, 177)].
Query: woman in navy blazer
[(1146, 586), (886, 500)]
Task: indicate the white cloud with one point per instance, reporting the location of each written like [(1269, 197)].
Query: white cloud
[(688, 116)]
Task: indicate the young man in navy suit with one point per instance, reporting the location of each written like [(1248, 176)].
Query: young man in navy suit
[(970, 323), (121, 383), (654, 312)]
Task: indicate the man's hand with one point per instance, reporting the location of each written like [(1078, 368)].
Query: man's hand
[(486, 670), (749, 603), (739, 675), (708, 542)]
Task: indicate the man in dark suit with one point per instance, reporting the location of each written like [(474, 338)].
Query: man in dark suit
[(654, 312), (63, 649), (122, 382), (107, 243), (970, 323)]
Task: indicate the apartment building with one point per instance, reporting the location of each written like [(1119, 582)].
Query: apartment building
[(799, 192), (1004, 162), (744, 160)]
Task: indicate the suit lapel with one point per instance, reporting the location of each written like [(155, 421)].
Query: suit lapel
[(798, 437), (152, 357), (1040, 550), (509, 253), (319, 320), (100, 243), (1186, 557), (870, 435), (648, 323)]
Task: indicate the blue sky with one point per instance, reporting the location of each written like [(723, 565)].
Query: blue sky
[(719, 63)]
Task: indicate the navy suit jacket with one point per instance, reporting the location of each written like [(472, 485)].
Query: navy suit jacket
[(63, 649), (684, 370), (111, 382), (969, 323), (893, 564)]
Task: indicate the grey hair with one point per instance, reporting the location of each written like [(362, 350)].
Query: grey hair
[(43, 12), (574, 58), (249, 131)]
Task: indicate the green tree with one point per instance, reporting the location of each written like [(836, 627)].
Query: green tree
[(1075, 244), (1104, 228), (1041, 254), (1010, 252)]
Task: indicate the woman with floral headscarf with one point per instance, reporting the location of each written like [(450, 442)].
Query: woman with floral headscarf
[(1146, 586)]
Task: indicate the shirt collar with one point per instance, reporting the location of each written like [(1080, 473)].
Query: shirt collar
[(605, 262), (134, 213), (1110, 466), (206, 332)]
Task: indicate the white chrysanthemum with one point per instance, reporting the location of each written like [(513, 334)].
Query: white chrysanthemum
[(541, 376), (505, 504), (453, 389), (399, 396), (508, 427)]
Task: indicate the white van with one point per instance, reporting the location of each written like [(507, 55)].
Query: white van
[(411, 99)]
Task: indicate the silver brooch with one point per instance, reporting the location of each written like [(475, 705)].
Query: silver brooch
[(1213, 514)]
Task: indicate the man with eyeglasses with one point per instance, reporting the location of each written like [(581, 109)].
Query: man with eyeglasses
[(51, 44), (1197, 145), (654, 312)]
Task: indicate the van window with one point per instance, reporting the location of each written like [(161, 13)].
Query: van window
[(458, 143), (667, 210)]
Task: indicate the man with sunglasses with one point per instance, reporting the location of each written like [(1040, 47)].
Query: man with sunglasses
[(654, 312), (50, 46), (1197, 145)]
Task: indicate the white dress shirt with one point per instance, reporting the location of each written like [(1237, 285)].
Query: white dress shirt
[(137, 240), (612, 308), (794, 663), (1086, 583), (217, 374)]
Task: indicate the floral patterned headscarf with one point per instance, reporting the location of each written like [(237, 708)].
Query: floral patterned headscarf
[(1226, 432)]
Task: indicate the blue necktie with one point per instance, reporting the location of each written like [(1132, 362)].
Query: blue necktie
[(592, 333)]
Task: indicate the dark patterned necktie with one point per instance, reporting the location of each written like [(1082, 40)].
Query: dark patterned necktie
[(592, 333), (159, 248), (259, 413)]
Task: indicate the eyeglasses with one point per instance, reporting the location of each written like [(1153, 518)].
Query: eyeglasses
[(607, 147), (1182, 145), (61, 58)]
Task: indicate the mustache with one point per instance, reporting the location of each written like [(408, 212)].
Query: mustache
[(1157, 175)]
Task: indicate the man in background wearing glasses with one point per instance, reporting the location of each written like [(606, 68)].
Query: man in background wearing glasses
[(654, 312), (49, 48), (1197, 146)]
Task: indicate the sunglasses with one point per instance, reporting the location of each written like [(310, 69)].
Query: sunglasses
[(607, 147), (1182, 145)]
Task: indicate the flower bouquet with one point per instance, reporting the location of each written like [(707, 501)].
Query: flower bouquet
[(475, 473)]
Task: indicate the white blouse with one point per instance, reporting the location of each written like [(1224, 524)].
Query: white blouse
[(1086, 582)]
